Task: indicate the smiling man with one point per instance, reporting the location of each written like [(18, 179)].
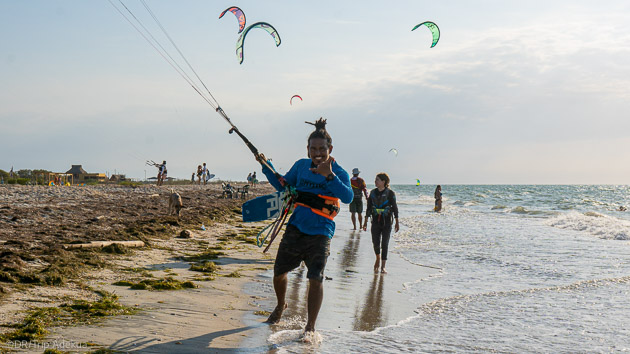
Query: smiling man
[(320, 183)]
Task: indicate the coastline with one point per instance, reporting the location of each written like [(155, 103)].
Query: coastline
[(226, 314)]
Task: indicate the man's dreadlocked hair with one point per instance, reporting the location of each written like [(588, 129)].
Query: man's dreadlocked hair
[(320, 131)]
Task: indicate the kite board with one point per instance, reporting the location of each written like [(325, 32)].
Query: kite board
[(209, 177), (263, 208)]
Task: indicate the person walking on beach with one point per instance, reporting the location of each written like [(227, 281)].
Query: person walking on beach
[(199, 172), (359, 188), (161, 173), (438, 198), (320, 183), (249, 179), (204, 174), (382, 208), (254, 180)]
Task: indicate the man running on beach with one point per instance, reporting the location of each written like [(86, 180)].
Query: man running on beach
[(320, 183), (360, 189)]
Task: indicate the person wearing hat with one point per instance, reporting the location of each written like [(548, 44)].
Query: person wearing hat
[(360, 189)]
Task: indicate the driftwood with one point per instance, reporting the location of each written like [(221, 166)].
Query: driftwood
[(94, 244)]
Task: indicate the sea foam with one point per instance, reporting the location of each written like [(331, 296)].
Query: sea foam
[(600, 225)]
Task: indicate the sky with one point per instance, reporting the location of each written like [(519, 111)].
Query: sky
[(515, 92)]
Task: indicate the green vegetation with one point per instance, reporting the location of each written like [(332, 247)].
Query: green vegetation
[(168, 283), (35, 325), (129, 184), (205, 267), (234, 274)]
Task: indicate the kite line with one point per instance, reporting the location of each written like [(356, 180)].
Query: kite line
[(209, 98)]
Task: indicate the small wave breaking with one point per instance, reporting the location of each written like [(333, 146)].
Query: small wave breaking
[(600, 225)]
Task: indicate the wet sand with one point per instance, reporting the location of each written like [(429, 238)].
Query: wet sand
[(355, 299)]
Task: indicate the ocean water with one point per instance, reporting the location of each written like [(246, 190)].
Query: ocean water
[(523, 268)]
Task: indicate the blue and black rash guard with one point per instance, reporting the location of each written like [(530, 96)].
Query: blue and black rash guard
[(301, 177)]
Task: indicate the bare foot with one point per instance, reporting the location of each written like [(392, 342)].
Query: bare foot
[(377, 265), (310, 336), (383, 271), (276, 315)]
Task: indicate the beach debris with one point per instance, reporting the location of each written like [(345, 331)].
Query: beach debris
[(240, 16), (241, 39), (294, 96), (328, 278), (94, 244), (203, 227), (98, 218), (185, 234), (435, 31)]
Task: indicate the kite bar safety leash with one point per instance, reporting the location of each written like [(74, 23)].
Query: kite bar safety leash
[(275, 227)]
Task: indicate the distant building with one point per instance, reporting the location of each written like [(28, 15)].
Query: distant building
[(118, 178), (79, 175)]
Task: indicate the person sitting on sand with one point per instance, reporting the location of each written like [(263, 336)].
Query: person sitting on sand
[(320, 182), (382, 208), (622, 208)]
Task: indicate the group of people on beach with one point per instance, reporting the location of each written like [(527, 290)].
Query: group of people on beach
[(320, 184), (202, 174), (252, 180)]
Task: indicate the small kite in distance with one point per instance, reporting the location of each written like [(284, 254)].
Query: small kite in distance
[(435, 31), (294, 96), (240, 16), (241, 40), (394, 151)]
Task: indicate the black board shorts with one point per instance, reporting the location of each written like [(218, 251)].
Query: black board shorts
[(356, 206), (296, 247)]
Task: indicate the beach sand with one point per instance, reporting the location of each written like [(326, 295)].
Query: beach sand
[(224, 315), (191, 319)]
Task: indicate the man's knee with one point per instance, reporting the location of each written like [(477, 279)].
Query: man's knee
[(315, 283)]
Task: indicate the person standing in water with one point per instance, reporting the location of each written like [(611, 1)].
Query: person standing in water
[(382, 208), (359, 189), (320, 183), (438, 198)]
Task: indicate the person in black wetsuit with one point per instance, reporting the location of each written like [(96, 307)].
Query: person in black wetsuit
[(382, 208)]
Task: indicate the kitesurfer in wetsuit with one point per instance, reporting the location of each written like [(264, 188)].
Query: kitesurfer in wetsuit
[(320, 183), (382, 208)]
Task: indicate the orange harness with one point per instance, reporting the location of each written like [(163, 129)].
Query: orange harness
[(322, 205)]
